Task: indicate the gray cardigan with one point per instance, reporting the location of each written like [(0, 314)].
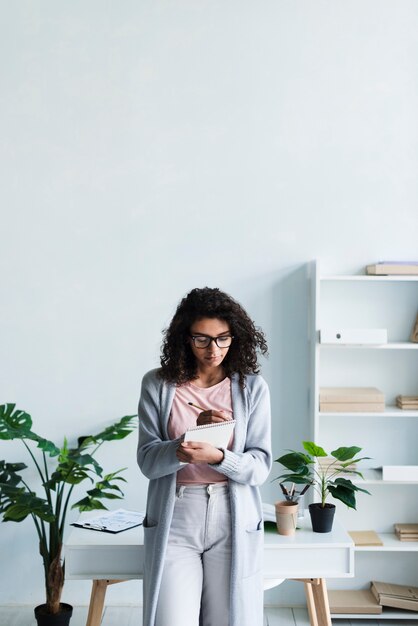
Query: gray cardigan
[(246, 466)]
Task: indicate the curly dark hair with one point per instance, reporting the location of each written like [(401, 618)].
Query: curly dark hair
[(178, 364)]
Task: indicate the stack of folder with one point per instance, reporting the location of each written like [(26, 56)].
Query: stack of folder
[(365, 538), (351, 400), (324, 463), (393, 268), (414, 333), (396, 596), (407, 402), (354, 601), (406, 532)]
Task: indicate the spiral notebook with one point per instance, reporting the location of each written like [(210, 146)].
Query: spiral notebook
[(217, 434)]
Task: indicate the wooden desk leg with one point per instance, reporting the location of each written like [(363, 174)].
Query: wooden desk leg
[(310, 603), (97, 598), (317, 601), (320, 595)]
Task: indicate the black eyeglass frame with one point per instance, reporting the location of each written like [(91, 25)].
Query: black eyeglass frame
[(210, 339)]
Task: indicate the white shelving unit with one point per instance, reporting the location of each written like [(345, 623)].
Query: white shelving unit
[(389, 437)]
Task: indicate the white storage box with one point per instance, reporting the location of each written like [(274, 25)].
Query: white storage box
[(405, 473)]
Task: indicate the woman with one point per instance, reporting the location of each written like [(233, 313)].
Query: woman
[(203, 527)]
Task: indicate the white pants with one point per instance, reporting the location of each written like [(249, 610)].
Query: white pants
[(196, 575)]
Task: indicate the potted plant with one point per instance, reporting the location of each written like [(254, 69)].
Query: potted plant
[(60, 469), (328, 478)]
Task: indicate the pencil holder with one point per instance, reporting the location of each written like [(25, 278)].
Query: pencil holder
[(286, 517), (301, 504), (298, 499)]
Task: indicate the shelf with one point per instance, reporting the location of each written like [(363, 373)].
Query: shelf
[(390, 544), (392, 614), (390, 411), (356, 301), (380, 279), (395, 345), (374, 477)]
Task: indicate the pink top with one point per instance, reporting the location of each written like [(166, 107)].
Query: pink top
[(184, 416)]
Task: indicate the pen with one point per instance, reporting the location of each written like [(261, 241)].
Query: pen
[(284, 490), (196, 406), (95, 526), (305, 489)]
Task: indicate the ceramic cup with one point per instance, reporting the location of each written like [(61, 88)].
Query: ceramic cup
[(297, 498), (286, 517)]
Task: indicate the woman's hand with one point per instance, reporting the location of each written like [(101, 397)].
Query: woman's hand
[(212, 417), (198, 452)]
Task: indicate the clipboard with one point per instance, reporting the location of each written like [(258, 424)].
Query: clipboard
[(112, 522)]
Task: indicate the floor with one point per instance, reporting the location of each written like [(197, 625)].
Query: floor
[(131, 616)]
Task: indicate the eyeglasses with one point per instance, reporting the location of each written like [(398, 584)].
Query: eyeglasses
[(204, 341)]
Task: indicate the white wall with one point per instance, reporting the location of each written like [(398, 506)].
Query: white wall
[(148, 147)]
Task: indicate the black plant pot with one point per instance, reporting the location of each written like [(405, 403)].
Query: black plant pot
[(62, 618), (322, 518)]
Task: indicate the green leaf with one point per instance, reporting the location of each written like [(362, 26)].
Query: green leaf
[(115, 475), (313, 449), (344, 482), (105, 484), (17, 425), (28, 504), (46, 446), (84, 460), (14, 424), (119, 430), (345, 454), (349, 485), (303, 478), (295, 461), (8, 472), (100, 493), (68, 473), (8, 497), (10, 482), (345, 495), (363, 490), (89, 504), (73, 468)]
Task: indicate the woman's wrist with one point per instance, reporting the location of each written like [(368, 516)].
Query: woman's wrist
[(220, 459)]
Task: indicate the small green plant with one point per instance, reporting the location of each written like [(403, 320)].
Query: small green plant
[(70, 467), (328, 480)]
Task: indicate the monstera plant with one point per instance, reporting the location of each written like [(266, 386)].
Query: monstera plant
[(60, 469)]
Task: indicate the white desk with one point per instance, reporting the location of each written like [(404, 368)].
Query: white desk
[(310, 557)]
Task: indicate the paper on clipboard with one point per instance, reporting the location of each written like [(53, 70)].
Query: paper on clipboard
[(113, 521)]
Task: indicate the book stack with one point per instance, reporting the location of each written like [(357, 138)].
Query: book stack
[(414, 332), (353, 601), (395, 268), (409, 403), (406, 532), (396, 596), (324, 463), (351, 400)]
